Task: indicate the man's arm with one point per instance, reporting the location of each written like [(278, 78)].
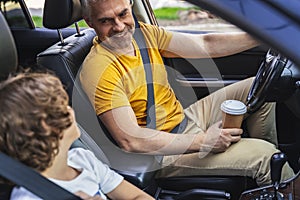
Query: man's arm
[(208, 45), (122, 125)]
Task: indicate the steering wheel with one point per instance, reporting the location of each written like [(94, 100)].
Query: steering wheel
[(266, 77)]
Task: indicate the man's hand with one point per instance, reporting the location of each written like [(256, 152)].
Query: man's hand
[(217, 140)]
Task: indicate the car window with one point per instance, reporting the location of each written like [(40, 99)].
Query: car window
[(14, 14), (35, 8), (181, 15)]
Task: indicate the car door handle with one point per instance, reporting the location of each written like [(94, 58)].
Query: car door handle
[(204, 82)]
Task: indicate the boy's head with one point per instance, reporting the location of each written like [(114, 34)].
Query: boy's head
[(34, 114)]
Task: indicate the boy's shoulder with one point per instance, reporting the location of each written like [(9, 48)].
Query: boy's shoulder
[(83, 154)]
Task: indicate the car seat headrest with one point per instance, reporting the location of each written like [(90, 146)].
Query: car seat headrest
[(61, 14), (8, 52)]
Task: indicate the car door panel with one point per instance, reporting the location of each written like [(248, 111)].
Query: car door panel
[(205, 75), (30, 42)]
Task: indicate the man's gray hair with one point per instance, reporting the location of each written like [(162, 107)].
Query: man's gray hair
[(86, 6)]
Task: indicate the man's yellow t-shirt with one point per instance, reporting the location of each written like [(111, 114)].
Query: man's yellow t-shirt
[(112, 80)]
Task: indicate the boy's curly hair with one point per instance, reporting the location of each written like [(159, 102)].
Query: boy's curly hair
[(34, 113)]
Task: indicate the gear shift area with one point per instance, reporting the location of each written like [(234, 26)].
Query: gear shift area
[(278, 190)]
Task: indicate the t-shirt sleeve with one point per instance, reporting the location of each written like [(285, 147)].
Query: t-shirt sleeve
[(160, 35), (102, 82), (108, 179), (110, 91), (20, 193)]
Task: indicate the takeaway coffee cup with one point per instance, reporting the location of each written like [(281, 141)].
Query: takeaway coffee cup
[(233, 113)]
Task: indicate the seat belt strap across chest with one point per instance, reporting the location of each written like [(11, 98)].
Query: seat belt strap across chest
[(151, 114), (26, 177), (140, 40)]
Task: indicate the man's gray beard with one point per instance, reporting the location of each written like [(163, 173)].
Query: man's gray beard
[(119, 44)]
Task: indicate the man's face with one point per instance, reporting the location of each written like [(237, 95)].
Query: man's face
[(113, 23)]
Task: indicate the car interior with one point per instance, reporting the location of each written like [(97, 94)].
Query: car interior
[(64, 58), (139, 169)]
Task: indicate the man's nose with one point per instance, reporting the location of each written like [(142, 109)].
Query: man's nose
[(118, 25)]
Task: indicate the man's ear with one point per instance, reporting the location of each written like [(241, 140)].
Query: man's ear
[(87, 20)]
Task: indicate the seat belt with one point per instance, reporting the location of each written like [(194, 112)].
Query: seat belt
[(151, 115), (140, 40), (33, 181)]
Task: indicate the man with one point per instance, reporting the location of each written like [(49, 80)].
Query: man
[(113, 77)]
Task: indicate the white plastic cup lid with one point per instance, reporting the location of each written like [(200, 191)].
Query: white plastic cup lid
[(233, 107)]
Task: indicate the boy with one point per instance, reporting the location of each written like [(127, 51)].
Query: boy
[(37, 127)]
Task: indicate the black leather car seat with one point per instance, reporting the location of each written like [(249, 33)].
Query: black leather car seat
[(9, 63), (8, 51), (65, 57), (65, 60)]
